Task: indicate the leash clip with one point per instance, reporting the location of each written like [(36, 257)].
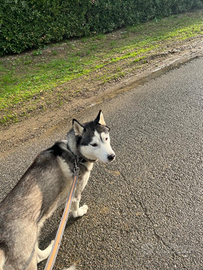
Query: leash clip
[(76, 167)]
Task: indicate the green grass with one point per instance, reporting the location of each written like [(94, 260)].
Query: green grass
[(28, 75)]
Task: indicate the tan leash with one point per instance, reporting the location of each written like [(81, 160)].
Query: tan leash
[(52, 257)]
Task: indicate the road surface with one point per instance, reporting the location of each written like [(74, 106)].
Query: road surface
[(145, 208)]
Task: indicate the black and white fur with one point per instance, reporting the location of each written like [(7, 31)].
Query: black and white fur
[(44, 187)]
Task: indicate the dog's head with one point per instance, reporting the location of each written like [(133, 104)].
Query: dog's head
[(93, 141)]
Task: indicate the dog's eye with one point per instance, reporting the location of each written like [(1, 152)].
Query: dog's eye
[(94, 144), (106, 139)]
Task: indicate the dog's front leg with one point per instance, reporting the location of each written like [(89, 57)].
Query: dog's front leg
[(76, 210)]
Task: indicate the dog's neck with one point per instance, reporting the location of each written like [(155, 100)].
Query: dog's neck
[(72, 147)]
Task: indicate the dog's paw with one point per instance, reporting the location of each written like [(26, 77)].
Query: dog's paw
[(44, 254), (80, 212), (70, 268), (51, 244)]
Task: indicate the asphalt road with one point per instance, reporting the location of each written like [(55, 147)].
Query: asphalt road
[(145, 208)]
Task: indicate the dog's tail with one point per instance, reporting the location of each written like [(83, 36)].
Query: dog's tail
[(2, 259), (70, 268)]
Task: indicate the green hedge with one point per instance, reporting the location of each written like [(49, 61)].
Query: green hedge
[(26, 24)]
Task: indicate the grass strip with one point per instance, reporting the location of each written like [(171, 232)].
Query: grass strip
[(30, 74)]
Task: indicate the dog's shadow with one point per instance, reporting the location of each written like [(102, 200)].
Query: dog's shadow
[(44, 242)]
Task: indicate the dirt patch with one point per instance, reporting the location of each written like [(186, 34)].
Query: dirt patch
[(86, 92)]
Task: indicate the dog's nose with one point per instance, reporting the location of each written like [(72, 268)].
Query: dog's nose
[(111, 157)]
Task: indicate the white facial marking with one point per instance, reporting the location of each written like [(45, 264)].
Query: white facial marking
[(99, 148)]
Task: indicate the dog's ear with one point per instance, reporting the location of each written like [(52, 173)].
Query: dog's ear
[(78, 128), (100, 119)]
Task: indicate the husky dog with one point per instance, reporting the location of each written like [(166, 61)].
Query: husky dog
[(44, 187)]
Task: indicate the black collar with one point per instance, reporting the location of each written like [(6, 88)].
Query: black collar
[(79, 159)]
